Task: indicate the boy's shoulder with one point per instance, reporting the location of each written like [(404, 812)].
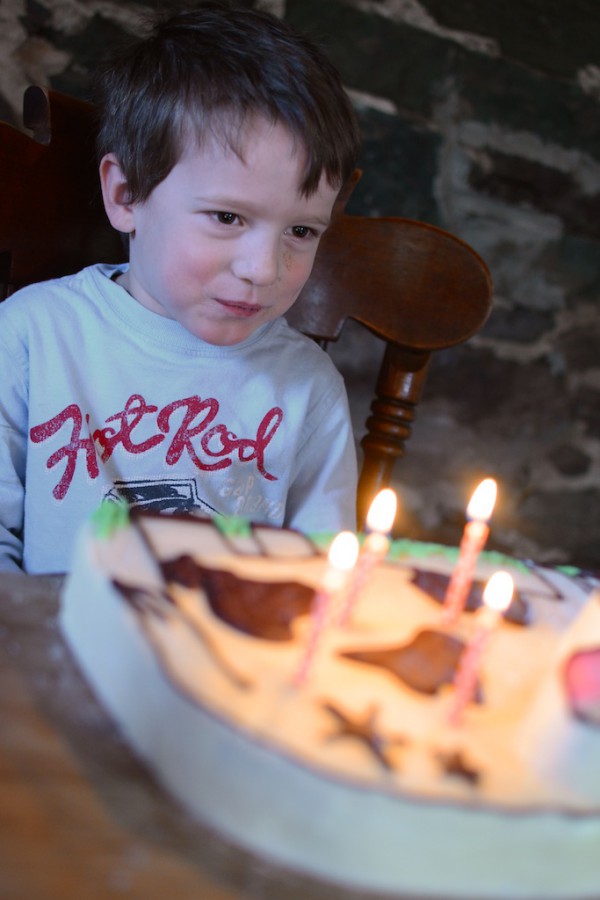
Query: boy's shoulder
[(301, 353), (84, 281), (55, 313), (303, 344), (46, 300)]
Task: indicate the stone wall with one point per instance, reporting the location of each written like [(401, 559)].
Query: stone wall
[(482, 118)]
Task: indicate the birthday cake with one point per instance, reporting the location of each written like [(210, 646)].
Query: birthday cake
[(193, 637)]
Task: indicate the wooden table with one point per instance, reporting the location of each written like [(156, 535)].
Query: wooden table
[(80, 819)]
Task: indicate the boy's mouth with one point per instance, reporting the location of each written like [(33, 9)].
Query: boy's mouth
[(240, 309)]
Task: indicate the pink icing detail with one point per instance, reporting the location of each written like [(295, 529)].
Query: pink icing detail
[(582, 682)]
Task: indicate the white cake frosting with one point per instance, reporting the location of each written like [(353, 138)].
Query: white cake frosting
[(216, 715)]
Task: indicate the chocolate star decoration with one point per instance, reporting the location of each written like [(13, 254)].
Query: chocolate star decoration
[(454, 763), (364, 729)]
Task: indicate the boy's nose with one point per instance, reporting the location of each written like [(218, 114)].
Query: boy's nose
[(258, 261)]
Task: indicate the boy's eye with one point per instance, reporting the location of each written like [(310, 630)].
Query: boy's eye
[(225, 218), (302, 231)]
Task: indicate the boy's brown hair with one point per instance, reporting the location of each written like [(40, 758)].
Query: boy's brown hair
[(208, 70)]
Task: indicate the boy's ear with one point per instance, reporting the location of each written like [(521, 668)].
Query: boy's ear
[(115, 194), (345, 193)]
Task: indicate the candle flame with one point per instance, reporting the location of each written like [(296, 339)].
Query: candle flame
[(499, 591), (382, 511), (481, 504), (343, 552)]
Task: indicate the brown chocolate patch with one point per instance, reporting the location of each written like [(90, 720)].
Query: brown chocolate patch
[(183, 570), (425, 664), (435, 585), (261, 609)]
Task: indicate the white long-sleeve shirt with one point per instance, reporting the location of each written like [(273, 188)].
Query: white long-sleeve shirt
[(102, 398)]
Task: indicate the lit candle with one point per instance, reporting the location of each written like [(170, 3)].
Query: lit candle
[(496, 599), (479, 511), (342, 558), (380, 520)]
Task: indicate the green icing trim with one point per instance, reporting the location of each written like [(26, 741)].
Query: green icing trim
[(405, 547), (571, 571), (420, 550), (322, 539), (110, 516), (233, 526)]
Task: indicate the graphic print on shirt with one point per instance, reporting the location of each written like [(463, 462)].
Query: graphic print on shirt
[(165, 495), (186, 428), (243, 498)]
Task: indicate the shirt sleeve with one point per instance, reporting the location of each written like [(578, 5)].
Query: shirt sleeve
[(13, 444), (322, 495)]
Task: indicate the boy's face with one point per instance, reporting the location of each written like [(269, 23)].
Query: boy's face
[(224, 245)]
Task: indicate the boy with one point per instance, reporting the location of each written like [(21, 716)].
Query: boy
[(174, 382)]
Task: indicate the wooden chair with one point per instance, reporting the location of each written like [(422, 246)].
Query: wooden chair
[(412, 284)]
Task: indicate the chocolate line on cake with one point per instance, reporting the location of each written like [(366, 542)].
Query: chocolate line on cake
[(161, 604), (137, 517), (539, 573), (144, 601), (220, 661), (254, 531), (298, 535)]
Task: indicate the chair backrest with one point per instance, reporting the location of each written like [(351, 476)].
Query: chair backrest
[(52, 221), (416, 286)]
